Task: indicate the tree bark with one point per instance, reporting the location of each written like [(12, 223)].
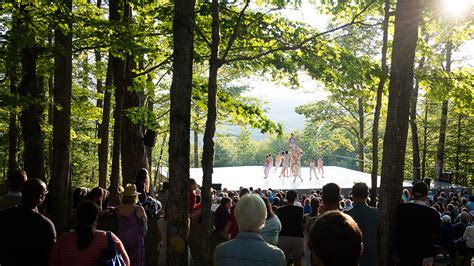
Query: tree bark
[(208, 148), (60, 183), (13, 124), (32, 113), (414, 128), (132, 134), (378, 106), (103, 149), (118, 65), (394, 145), (361, 149), (425, 141), (458, 148), (196, 146), (444, 118), (180, 122)]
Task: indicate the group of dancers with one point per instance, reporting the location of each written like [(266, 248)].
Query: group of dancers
[(290, 162)]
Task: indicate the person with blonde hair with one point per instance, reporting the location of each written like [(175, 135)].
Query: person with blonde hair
[(132, 222), (249, 248)]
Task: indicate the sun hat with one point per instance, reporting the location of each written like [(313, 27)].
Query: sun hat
[(130, 190)]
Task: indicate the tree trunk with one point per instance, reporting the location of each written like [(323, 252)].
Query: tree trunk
[(414, 128), (444, 118), (149, 150), (196, 146), (179, 141), (60, 183), (103, 148), (394, 145), (12, 125), (158, 164), (32, 113), (458, 148), (378, 106), (208, 148), (132, 134), (425, 141), (118, 66), (361, 133)]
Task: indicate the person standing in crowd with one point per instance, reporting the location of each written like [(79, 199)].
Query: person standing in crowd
[(308, 220), (272, 226), (83, 246), (15, 180), (290, 239), (132, 221), (26, 236), (163, 194), (234, 227), (220, 234), (96, 195), (367, 219), (331, 197), (192, 195), (332, 233), (249, 248), (417, 228)]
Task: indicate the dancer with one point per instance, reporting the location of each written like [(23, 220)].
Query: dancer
[(292, 143), (265, 166), (312, 168), (321, 166), (284, 164), (287, 158), (277, 162), (270, 163), (296, 167)]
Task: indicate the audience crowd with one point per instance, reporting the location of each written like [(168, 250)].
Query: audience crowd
[(250, 226)]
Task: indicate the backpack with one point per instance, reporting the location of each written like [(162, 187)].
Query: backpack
[(110, 256)]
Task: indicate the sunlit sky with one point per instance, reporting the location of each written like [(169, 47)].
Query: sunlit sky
[(281, 101)]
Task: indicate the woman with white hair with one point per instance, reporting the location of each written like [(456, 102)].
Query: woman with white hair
[(249, 248)]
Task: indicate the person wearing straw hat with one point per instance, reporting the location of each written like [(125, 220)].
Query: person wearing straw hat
[(132, 222)]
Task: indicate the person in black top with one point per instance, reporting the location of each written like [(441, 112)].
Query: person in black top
[(26, 235), (290, 239), (418, 228)]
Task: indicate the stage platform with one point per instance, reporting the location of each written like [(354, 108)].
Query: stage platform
[(233, 178)]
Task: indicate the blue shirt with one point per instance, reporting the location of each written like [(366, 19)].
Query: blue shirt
[(248, 248)]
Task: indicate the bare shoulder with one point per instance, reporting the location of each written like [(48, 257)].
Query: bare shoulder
[(140, 212)]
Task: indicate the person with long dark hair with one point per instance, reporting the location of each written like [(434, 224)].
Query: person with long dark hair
[(84, 245)]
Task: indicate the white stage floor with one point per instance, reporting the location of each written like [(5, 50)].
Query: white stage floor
[(252, 176)]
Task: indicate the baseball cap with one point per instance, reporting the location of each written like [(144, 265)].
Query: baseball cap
[(419, 189)]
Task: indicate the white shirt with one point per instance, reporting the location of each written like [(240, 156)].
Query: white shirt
[(469, 236)]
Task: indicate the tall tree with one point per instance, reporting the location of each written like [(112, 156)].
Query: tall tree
[(103, 149), (132, 133), (180, 122), (60, 182), (118, 64), (394, 146), (444, 119), (31, 87), (414, 128), (378, 105)]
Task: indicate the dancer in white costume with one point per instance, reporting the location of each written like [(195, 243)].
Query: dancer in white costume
[(265, 166), (321, 166), (270, 163), (284, 164), (296, 166), (292, 143), (277, 162), (312, 168)]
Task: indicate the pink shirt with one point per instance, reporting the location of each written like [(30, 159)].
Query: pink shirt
[(65, 251)]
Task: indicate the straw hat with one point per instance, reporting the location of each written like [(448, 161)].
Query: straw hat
[(130, 190)]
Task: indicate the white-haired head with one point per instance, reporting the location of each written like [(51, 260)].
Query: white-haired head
[(250, 213)]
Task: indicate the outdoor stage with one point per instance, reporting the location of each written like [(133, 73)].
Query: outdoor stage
[(252, 176)]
